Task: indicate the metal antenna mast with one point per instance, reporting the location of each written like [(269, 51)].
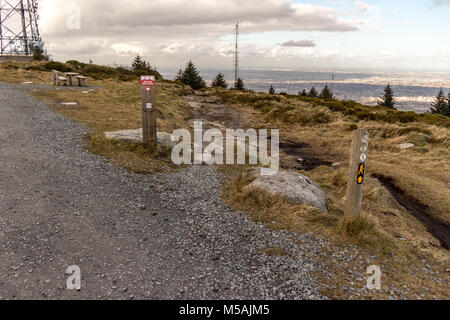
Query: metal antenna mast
[(19, 30), (332, 80), (236, 56)]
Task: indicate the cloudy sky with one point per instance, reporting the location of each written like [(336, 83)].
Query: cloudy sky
[(294, 34)]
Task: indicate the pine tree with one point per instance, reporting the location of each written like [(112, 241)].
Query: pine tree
[(191, 77), (448, 105), (141, 67), (440, 105), (138, 63), (313, 92), (219, 81), (271, 90), (326, 93), (303, 93), (239, 85), (38, 53), (387, 99)]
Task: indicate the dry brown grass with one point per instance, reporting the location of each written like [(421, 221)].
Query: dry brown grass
[(14, 72), (108, 106), (117, 106), (279, 213), (422, 172), (378, 233)]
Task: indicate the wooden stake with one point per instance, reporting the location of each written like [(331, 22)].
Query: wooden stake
[(356, 173), (149, 114)]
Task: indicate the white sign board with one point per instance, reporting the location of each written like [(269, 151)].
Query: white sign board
[(148, 80)]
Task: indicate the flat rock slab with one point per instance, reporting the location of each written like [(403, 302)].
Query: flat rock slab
[(194, 105), (206, 124), (136, 135), (294, 186), (406, 145)]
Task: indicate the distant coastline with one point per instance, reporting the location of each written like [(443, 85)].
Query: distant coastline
[(414, 90)]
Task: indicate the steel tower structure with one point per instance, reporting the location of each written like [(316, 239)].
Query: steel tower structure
[(19, 30), (236, 56)]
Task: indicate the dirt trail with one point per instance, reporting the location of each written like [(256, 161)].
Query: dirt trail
[(297, 155), (438, 229), (294, 155)]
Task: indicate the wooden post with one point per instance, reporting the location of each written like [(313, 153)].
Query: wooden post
[(356, 173), (149, 112), (54, 75)]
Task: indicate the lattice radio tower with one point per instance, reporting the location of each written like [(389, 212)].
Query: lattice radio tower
[(236, 56), (19, 30)]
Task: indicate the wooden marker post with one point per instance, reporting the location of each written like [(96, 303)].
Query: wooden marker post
[(356, 174), (149, 110)]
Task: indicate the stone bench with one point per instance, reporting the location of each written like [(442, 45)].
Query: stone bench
[(71, 76), (81, 81), (57, 79)]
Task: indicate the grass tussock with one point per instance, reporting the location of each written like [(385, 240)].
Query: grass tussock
[(278, 213), (381, 231), (131, 156), (421, 171), (282, 106)]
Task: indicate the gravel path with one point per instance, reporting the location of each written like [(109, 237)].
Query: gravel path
[(133, 236)]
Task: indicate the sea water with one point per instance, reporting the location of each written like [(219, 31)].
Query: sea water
[(413, 90)]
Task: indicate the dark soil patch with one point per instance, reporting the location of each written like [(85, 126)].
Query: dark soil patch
[(299, 157), (438, 228), (294, 155)]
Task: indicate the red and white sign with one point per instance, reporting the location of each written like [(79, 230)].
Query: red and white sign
[(148, 89), (148, 80)]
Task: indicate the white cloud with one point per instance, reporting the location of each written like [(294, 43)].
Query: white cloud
[(170, 32), (136, 17), (126, 49), (121, 28), (370, 16)]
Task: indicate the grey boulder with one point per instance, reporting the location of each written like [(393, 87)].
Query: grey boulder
[(294, 186)]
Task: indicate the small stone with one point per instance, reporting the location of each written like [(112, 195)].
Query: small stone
[(336, 164)]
